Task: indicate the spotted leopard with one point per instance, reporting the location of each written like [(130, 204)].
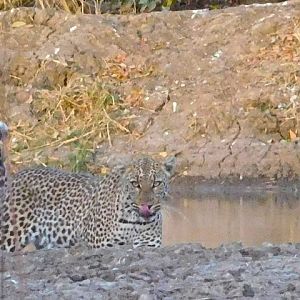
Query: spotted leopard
[(53, 208), (3, 169)]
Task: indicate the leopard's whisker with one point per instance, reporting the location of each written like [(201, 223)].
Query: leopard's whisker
[(169, 196)]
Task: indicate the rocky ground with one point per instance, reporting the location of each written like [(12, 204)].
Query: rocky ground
[(178, 272)]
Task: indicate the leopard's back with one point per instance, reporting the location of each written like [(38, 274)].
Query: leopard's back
[(45, 206)]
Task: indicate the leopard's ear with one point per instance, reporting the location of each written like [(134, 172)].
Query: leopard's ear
[(3, 131), (3, 140), (169, 165)]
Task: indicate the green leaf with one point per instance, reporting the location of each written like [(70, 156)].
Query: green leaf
[(167, 4), (151, 5), (147, 4)]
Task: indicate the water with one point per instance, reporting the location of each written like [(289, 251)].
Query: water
[(215, 217)]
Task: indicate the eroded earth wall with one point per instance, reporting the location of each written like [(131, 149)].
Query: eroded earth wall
[(218, 88)]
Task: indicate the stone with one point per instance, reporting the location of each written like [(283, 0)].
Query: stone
[(248, 291)]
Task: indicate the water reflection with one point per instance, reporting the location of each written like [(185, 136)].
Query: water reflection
[(213, 221)]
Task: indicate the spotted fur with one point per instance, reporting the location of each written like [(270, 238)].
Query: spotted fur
[(3, 169), (53, 208)]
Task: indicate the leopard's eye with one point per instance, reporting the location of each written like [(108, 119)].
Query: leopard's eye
[(157, 183), (135, 184)]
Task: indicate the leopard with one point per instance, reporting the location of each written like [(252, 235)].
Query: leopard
[(3, 168), (55, 208)]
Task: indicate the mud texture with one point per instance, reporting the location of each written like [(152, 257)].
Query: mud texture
[(189, 271), (218, 88)]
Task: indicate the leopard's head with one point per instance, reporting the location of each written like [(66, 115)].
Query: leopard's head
[(147, 184)]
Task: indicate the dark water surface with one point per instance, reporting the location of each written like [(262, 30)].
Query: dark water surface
[(250, 214)]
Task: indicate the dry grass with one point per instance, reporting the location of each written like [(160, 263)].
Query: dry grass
[(74, 120), (285, 46), (72, 6), (283, 52), (64, 126)]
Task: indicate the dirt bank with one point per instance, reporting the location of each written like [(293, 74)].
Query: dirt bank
[(218, 88)]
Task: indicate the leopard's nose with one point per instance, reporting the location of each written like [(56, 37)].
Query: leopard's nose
[(145, 210)]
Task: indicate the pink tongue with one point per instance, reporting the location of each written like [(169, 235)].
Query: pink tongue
[(145, 211)]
